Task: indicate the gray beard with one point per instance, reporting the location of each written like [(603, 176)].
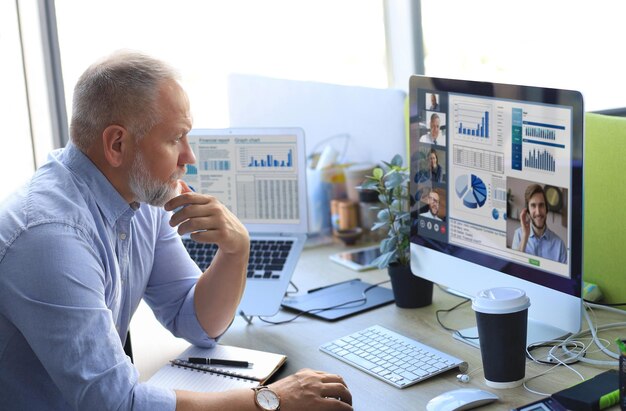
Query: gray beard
[(147, 189)]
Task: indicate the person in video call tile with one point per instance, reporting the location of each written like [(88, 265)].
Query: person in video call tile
[(533, 236), (433, 206), (434, 172), (434, 106), (98, 229), (434, 135)]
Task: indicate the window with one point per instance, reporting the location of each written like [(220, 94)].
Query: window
[(558, 43), (341, 42), (16, 157)]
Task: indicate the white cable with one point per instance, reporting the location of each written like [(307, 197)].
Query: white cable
[(537, 376), (578, 354), (593, 331), (597, 340), (606, 308), (559, 363), (573, 356)]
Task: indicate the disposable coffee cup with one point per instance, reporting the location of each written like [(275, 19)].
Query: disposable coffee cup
[(502, 319)]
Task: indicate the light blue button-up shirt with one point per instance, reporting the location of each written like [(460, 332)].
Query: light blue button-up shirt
[(549, 245), (75, 261)]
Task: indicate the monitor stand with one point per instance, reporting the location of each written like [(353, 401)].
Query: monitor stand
[(537, 332)]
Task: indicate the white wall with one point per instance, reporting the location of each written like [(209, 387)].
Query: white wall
[(373, 118)]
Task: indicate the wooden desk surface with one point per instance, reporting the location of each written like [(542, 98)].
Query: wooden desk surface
[(153, 346)]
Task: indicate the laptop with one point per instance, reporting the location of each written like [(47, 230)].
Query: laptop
[(260, 175)]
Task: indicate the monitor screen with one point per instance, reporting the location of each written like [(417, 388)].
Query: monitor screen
[(497, 182)]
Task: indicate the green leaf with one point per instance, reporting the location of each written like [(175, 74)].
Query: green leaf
[(369, 185), (379, 225), (397, 206), (378, 173), (385, 259), (394, 180), (396, 160), (384, 246), (388, 244), (383, 215)]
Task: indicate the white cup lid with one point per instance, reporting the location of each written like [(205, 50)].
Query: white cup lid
[(500, 300)]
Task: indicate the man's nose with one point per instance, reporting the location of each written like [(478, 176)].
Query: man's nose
[(187, 156)]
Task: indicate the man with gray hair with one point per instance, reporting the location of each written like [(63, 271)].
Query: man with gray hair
[(93, 232)]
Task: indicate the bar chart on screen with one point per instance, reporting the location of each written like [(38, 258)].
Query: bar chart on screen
[(256, 158), (542, 160), (472, 120)]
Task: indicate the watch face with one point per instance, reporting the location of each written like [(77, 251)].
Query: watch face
[(267, 399)]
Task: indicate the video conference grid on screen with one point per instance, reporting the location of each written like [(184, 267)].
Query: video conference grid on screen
[(472, 160)]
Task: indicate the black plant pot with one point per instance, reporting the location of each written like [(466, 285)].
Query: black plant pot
[(409, 290)]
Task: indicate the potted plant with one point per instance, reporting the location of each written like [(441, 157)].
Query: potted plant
[(391, 182)]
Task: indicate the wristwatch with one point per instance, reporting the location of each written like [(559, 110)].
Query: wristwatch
[(265, 398)]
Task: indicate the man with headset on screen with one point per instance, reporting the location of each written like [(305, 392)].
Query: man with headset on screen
[(533, 236), (92, 233)]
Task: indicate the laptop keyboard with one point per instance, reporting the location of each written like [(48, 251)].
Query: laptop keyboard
[(391, 357), (267, 257)]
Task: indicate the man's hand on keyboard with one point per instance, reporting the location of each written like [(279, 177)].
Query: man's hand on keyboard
[(313, 390)]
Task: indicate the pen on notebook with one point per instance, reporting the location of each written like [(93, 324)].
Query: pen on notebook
[(218, 361), (621, 345)]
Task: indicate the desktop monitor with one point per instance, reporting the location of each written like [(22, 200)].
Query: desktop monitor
[(478, 150)]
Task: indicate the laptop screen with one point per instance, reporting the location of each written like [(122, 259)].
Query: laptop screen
[(259, 174)]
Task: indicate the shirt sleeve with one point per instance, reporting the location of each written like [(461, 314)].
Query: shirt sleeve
[(563, 252), (58, 302), (171, 289)]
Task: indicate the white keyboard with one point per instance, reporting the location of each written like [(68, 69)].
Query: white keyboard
[(391, 357)]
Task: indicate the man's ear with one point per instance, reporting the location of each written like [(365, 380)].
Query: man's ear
[(115, 139)]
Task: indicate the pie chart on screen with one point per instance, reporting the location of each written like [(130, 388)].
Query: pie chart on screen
[(471, 190)]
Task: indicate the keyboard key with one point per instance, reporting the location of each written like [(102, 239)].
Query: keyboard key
[(359, 361)]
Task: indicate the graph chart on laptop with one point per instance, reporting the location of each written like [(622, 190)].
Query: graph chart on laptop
[(255, 176), (262, 158)]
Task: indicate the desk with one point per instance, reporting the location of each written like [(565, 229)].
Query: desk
[(153, 346)]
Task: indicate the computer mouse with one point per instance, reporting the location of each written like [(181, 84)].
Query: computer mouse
[(461, 399)]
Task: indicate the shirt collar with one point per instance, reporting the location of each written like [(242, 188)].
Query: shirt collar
[(110, 202), (546, 233)]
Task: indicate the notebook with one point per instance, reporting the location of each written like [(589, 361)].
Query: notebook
[(260, 175), (182, 375)]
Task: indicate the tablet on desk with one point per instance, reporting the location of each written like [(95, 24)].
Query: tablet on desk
[(358, 259), (340, 300)]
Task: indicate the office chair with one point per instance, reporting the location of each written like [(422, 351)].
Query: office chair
[(128, 349), (604, 204)]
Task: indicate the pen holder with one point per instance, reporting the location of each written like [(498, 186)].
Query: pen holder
[(622, 381)]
